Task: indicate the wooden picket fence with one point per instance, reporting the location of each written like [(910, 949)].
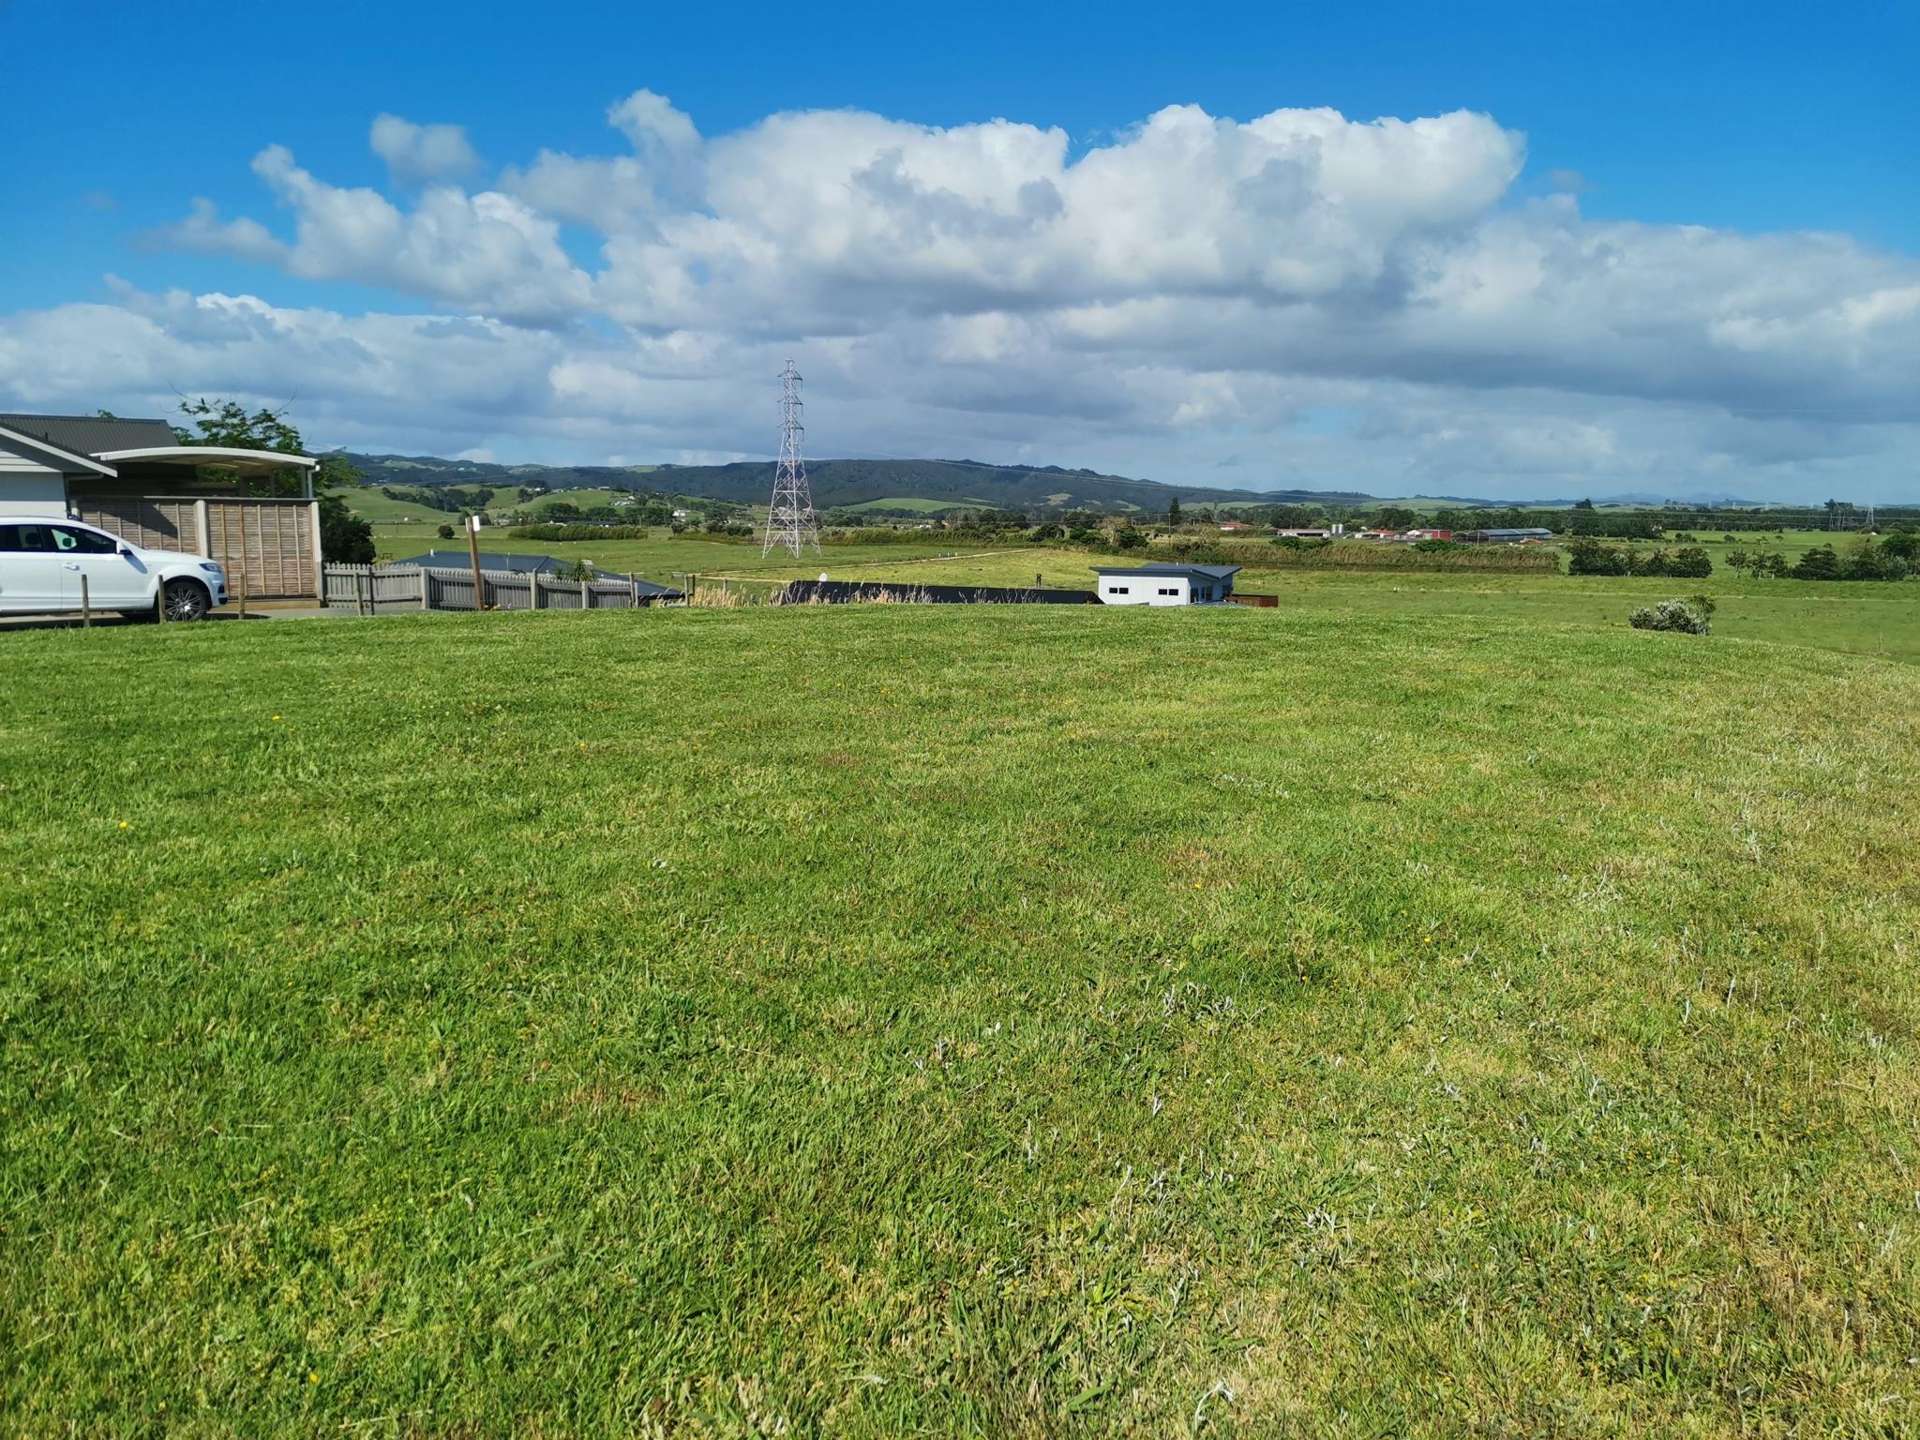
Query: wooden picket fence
[(394, 589)]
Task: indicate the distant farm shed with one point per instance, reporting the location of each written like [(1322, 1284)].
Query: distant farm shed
[(1157, 583), (1512, 536)]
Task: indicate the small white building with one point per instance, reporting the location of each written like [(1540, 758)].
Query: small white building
[(1162, 584)]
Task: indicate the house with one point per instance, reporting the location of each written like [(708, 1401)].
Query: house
[(1230, 527), (1303, 534), (135, 479), (1162, 584)]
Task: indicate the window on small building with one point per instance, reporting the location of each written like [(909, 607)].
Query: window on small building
[(1117, 590)]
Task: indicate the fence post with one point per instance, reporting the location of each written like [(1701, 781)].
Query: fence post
[(86, 603), (243, 592), (586, 596), (425, 604)]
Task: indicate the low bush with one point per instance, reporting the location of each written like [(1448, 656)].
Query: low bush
[(579, 532), (1590, 557), (1675, 615)]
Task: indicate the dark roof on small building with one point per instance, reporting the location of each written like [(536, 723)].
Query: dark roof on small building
[(1157, 567), (92, 434)]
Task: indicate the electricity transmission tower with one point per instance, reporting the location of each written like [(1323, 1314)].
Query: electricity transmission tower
[(790, 519)]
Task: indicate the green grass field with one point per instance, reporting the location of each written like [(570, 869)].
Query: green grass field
[(580, 499), (1856, 618), (881, 1020), (369, 504)]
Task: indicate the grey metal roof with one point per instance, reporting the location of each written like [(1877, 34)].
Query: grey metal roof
[(1158, 567), (90, 434)]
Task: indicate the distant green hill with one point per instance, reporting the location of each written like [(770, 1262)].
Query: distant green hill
[(843, 483), (926, 486)]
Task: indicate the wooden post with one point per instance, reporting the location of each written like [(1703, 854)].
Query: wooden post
[(86, 603), (363, 593), (533, 590), (586, 596), (473, 554), (242, 561), (424, 605), (633, 593), (319, 559)]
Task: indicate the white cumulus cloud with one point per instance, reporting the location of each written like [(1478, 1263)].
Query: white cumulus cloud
[(422, 152), (1301, 298)]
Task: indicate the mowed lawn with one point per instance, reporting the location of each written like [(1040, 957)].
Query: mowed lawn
[(1849, 616), (986, 1021)]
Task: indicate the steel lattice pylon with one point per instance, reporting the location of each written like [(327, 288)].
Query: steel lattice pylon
[(790, 518)]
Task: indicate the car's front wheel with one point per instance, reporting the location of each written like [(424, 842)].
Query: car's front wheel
[(185, 600)]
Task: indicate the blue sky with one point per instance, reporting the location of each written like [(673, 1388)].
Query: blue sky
[(1787, 132)]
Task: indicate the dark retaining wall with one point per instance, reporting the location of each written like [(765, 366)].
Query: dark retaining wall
[(839, 592)]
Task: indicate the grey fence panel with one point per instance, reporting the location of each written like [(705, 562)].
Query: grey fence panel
[(394, 589)]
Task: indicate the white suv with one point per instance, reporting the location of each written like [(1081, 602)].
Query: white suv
[(42, 560)]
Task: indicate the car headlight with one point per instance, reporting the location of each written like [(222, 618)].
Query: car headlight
[(212, 567)]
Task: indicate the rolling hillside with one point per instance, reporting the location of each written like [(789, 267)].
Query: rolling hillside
[(968, 483), (923, 485)]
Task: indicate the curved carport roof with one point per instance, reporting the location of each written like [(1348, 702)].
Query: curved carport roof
[(241, 462)]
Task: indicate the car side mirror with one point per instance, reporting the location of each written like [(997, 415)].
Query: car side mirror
[(127, 551)]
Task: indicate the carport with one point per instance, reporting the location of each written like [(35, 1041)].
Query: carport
[(181, 497)]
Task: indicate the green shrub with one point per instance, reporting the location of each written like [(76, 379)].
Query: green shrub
[(1819, 563), (578, 532), (1689, 562), (1590, 557), (1675, 615)]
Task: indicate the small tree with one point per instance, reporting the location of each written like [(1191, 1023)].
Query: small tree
[(445, 532), (1590, 557), (1819, 563), (1690, 562), (1173, 511)]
